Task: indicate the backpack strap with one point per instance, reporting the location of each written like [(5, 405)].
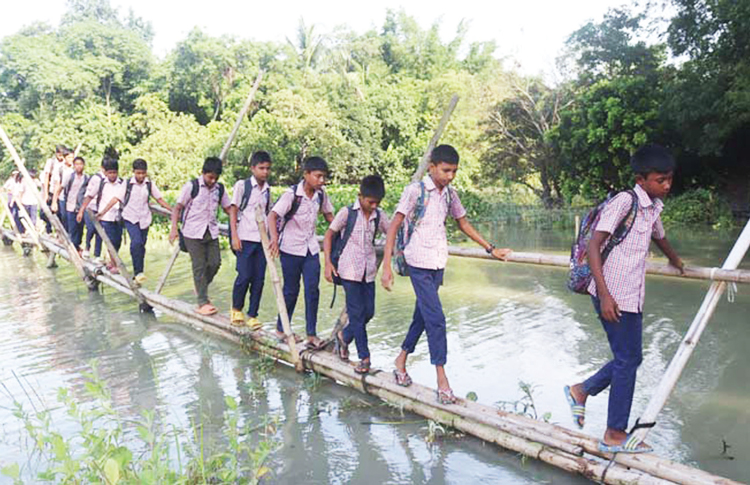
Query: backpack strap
[(623, 228), (377, 225), (69, 185), (351, 221), (82, 192), (128, 190), (246, 194), (102, 181)]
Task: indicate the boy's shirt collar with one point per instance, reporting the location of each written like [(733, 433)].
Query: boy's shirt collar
[(133, 181), (254, 183), (301, 190), (644, 200)]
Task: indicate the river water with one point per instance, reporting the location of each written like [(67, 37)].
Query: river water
[(507, 324)]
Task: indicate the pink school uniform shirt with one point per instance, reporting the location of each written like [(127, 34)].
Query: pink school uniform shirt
[(111, 190), (75, 188), (92, 190), (199, 214), (247, 226), (137, 211), (358, 261), (625, 268), (299, 233), (428, 247)]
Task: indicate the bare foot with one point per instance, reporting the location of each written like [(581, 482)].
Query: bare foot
[(400, 362)]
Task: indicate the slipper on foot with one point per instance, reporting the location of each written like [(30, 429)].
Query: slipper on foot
[(577, 410), (630, 445), (402, 378)]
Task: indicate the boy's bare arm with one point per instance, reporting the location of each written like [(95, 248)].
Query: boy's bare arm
[(390, 241), (330, 271), (236, 243), (274, 231), (609, 309), (84, 204), (670, 253), (176, 212), (328, 217), (164, 204), (109, 206), (469, 230)]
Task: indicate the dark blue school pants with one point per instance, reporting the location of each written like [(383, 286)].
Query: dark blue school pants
[(251, 273), (360, 306), (625, 340), (75, 228), (428, 314), (114, 232), (307, 267), (138, 238), (92, 234)]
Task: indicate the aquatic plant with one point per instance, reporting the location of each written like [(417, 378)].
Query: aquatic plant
[(525, 405)]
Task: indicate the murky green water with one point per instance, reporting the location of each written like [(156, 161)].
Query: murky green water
[(507, 323)]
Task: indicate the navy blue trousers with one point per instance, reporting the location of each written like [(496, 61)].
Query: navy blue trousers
[(360, 306), (75, 228), (91, 234), (251, 273), (625, 340), (138, 238), (114, 232), (307, 267), (428, 314)]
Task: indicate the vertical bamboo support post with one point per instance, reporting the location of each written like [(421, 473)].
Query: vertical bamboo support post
[(343, 319), (689, 342), (223, 157), (75, 258), (276, 281)]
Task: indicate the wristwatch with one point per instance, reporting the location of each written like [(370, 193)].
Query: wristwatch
[(490, 249)]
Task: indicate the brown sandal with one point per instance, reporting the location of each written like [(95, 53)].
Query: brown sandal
[(363, 367), (446, 396), (206, 309), (402, 378)]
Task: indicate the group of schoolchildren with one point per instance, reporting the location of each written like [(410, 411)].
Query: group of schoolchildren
[(415, 243)]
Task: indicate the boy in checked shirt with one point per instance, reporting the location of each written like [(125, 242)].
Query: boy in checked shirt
[(357, 264), (426, 255), (618, 291), (292, 224)]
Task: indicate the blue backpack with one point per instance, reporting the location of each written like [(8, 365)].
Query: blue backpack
[(580, 272)]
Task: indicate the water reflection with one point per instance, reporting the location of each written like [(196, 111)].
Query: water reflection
[(507, 323)]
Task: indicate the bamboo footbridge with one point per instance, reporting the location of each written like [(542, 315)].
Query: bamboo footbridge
[(563, 448)]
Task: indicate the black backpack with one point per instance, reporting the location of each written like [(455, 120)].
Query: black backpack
[(281, 223), (81, 192), (341, 239), (129, 189), (246, 198)]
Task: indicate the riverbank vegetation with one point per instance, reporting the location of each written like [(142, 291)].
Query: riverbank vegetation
[(368, 102)]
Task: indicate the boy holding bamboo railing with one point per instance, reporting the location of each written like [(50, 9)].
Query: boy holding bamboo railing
[(425, 206), (618, 292)]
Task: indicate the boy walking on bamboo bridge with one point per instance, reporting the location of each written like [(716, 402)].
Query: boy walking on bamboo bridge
[(74, 190), (197, 205), (422, 255), (618, 292), (133, 198), (351, 262), (292, 224), (94, 193), (51, 167), (251, 262), (111, 221)]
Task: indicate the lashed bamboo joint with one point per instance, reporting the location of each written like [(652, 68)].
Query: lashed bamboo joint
[(566, 449)]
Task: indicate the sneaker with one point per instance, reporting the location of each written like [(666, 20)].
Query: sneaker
[(237, 317), (140, 278), (85, 254), (254, 323)]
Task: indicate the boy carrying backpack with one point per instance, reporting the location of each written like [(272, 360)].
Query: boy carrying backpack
[(349, 247)]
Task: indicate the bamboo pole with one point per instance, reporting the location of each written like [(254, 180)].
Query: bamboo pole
[(424, 162), (168, 269), (115, 257), (28, 224), (9, 214), (689, 342), (644, 469), (276, 282), (75, 258)]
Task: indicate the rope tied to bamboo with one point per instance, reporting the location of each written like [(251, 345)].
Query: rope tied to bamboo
[(731, 285)]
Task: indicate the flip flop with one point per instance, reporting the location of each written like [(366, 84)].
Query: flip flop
[(206, 309), (402, 378), (446, 396), (319, 345), (630, 445), (362, 368), (341, 349), (577, 410)]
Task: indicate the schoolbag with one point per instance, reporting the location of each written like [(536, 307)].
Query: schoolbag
[(246, 199), (580, 272), (129, 189), (81, 192), (281, 222), (101, 190), (194, 189), (341, 239), (406, 231)]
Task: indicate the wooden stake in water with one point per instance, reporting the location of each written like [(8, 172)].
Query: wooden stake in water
[(677, 365), (276, 282)]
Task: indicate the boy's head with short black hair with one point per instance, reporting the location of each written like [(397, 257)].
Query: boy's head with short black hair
[(68, 156), (60, 152), (443, 165), (79, 164), (260, 166), (111, 168), (140, 170), (212, 168), (654, 167), (371, 192), (316, 171)]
